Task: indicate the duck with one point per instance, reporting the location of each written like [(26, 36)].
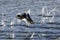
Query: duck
[(25, 17)]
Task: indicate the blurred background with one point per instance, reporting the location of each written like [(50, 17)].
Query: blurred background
[(45, 14)]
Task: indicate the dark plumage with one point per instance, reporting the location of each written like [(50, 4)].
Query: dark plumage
[(26, 16)]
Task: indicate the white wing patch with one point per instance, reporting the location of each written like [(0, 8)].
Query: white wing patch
[(27, 23), (28, 11)]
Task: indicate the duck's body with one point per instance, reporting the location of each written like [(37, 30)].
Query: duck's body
[(25, 17)]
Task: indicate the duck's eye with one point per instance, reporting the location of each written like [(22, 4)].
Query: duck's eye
[(18, 15)]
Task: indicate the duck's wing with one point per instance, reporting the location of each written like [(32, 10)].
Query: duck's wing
[(29, 19), (22, 16), (28, 11)]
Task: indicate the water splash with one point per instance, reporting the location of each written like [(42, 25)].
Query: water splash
[(10, 35), (43, 10), (32, 35), (51, 12), (18, 20), (12, 22), (2, 21), (44, 19), (52, 19)]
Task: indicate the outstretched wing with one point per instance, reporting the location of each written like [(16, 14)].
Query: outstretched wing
[(29, 19), (28, 12)]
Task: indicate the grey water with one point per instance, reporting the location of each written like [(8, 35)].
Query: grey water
[(45, 14)]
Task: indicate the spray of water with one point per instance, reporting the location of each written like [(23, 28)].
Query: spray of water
[(32, 35), (12, 35), (52, 11), (43, 10), (12, 22), (52, 19), (2, 22)]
